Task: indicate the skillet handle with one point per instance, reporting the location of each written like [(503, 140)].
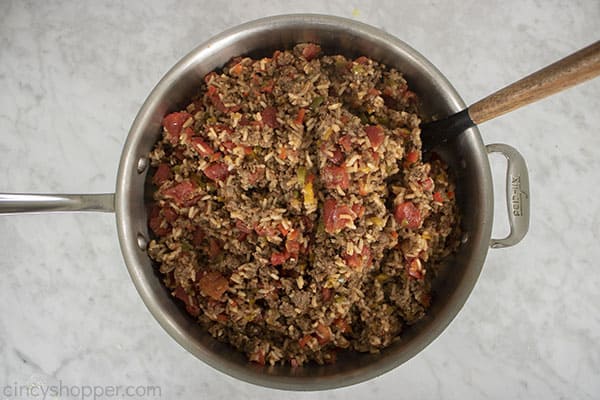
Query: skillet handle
[(517, 195), (15, 203)]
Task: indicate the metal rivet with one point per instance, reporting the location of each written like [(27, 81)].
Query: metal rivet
[(465, 238), (142, 242), (142, 164)]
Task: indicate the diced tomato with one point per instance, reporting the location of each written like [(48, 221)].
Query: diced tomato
[(292, 245), (326, 294), (269, 117), (235, 108), (282, 153), (334, 177), (202, 147), (255, 79), (304, 340), (214, 248), (359, 260), (237, 69), (210, 76), (268, 88), (300, 118), (409, 96), (366, 255), (415, 269), (282, 229), (362, 60), (242, 227), (346, 143), (154, 211), (182, 193), (233, 62), (373, 92), (329, 218), (247, 149), (156, 223), (412, 157), (173, 124), (362, 188), (162, 174), (182, 295), (258, 356), (229, 145), (279, 258), (216, 171), (323, 334), (336, 217), (450, 195), (375, 135), (188, 133), (198, 237), (311, 51), (408, 215), (170, 214), (223, 318), (293, 234), (437, 197), (427, 184), (337, 156), (342, 325), (215, 99), (216, 157), (359, 210), (253, 177), (265, 231), (213, 285), (375, 155), (190, 304), (221, 128), (353, 261)]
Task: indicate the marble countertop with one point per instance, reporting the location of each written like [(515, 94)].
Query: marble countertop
[(72, 77)]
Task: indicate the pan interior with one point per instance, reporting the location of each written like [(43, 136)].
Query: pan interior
[(466, 157)]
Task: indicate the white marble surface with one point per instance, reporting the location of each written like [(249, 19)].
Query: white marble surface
[(72, 77)]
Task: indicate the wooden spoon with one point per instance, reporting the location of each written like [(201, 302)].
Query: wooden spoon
[(571, 70)]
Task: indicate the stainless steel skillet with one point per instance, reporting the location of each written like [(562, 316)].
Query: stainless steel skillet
[(466, 154)]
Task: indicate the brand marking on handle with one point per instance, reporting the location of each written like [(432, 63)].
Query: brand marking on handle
[(516, 199)]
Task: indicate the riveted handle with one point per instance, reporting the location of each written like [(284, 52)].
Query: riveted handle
[(517, 195)]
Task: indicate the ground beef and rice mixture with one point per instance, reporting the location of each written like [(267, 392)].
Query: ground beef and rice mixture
[(293, 213)]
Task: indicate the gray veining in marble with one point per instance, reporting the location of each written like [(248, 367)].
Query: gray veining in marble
[(72, 77)]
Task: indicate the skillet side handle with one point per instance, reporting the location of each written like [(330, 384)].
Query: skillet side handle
[(15, 203), (517, 195)]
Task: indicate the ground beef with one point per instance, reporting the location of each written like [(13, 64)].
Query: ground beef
[(294, 215)]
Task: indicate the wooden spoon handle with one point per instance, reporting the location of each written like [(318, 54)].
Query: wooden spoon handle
[(571, 70)]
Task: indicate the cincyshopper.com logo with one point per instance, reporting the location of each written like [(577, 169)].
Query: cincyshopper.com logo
[(82, 392)]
